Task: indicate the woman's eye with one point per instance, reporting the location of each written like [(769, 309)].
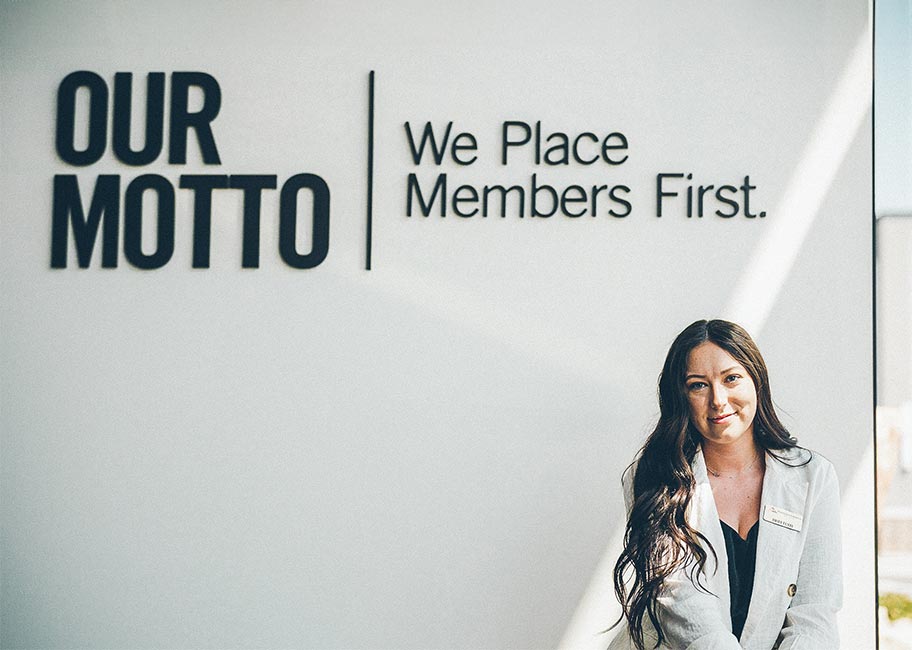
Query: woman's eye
[(732, 378), (697, 385)]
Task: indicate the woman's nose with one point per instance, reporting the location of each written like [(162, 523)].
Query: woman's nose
[(719, 397)]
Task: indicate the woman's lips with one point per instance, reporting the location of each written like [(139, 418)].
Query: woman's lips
[(721, 418)]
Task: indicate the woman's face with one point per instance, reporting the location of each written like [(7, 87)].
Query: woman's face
[(722, 395)]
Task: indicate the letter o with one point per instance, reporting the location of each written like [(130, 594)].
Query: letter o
[(288, 221), (66, 118)]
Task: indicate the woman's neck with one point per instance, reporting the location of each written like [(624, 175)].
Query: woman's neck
[(730, 458)]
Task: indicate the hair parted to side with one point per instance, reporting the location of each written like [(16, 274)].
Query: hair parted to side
[(658, 540)]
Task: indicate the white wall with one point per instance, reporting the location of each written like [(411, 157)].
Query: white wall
[(426, 454)]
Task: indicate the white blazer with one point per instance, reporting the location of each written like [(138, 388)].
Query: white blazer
[(798, 572)]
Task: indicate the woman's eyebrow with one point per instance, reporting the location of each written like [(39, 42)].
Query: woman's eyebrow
[(694, 375)]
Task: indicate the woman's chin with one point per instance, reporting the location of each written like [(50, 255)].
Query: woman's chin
[(725, 436)]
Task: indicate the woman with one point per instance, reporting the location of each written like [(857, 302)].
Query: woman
[(733, 532)]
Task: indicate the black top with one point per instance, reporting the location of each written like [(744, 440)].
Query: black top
[(742, 555)]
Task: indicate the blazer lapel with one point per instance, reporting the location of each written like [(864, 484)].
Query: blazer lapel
[(777, 547), (704, 517)]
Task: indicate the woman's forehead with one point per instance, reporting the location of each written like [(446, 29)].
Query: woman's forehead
[(709, 357)]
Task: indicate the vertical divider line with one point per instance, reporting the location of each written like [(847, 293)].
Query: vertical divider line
[(874, 398), (370, 170)]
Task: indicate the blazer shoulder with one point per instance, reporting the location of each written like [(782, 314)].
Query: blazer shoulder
[(805, 464), (629, 472), (798, 457)]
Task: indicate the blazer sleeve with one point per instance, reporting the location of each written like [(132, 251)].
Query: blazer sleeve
[(810, 620), (691, 618)]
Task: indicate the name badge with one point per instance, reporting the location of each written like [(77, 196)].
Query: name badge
[(782, 517)]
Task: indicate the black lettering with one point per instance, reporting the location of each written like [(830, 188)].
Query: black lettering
[(546, 188), (253, 186), (182, 120), (428, 135), (690, 197), (576, 156), (133, 214), (471, 198), (746, 188), (506, 142), (596, 190), (621, 145), (567, 198), (621, 201), (660, 191), (66, 118), (288, 221), (562, 148), (503, 191), (471, 146), (425, 207), (155, 118), (703, 189), (729, 202), (202, 186), (68, 209)]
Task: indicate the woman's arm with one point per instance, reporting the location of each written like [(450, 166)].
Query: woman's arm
[(810, 620), (693, 619)]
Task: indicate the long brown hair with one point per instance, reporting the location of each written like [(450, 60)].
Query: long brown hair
[(658, 540)]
